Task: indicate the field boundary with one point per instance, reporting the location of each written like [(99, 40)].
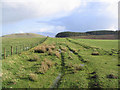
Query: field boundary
[(21, 48)]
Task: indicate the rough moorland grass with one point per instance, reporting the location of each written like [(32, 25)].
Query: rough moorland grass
[(22, 69), (99, 71)]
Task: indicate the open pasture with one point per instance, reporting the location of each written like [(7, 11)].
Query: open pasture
[(64, 63)]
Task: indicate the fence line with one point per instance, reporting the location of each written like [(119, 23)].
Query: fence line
[(18, 50)]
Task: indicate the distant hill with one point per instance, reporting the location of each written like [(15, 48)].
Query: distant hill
[(101, 34), (25, 35)]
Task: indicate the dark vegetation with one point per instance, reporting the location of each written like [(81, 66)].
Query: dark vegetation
[(102, 34)]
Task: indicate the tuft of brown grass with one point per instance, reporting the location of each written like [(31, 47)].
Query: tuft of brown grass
[(63, 48), (40, 49), (75, 50), (52, 47), (47, 48), (57, 54), (33, 77), (70, 57), (95, 53), (50, 52), (45, 65), (43, 68), (48, 62)]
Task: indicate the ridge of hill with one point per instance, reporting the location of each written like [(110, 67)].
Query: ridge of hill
[(25, 35), (101, 34)]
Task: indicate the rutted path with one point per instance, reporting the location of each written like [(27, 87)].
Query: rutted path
[(92, 77), (80, 57), (56, 82), (94, 82)]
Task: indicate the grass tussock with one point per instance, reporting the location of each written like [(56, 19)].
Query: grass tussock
[(95, 53), (77, 67), (40, 49), (34, 58), (33, 77), (75, 51), (52, 47), (48, 62), (74, 67), (70, 57), (45, 48), (50, 52), (57, 54), (63, 48), (45, 65)]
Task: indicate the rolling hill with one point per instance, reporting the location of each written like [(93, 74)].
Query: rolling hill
[(25, 35), (101, 34)]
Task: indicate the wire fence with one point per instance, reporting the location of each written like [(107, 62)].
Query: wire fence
[(19, 48)]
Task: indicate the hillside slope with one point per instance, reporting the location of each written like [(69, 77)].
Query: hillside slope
[(23, 35), (102, 34)]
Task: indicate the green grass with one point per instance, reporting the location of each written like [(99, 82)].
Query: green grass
[(21, 43), (105, 44), (79, 69)]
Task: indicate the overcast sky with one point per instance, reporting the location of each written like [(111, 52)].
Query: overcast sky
[(53, 16)]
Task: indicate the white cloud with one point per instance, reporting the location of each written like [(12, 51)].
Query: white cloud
[(51, 28), (111, 8), (113, 27), (19, 32), (15, 10)]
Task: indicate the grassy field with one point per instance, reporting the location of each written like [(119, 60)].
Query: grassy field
[(105, 44), (64, 63), (21, 43), (106, 37)]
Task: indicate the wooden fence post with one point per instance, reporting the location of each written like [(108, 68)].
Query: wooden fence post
[(16, 49), (11, 50), (23, 47), (4, 54), (20, 48)]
